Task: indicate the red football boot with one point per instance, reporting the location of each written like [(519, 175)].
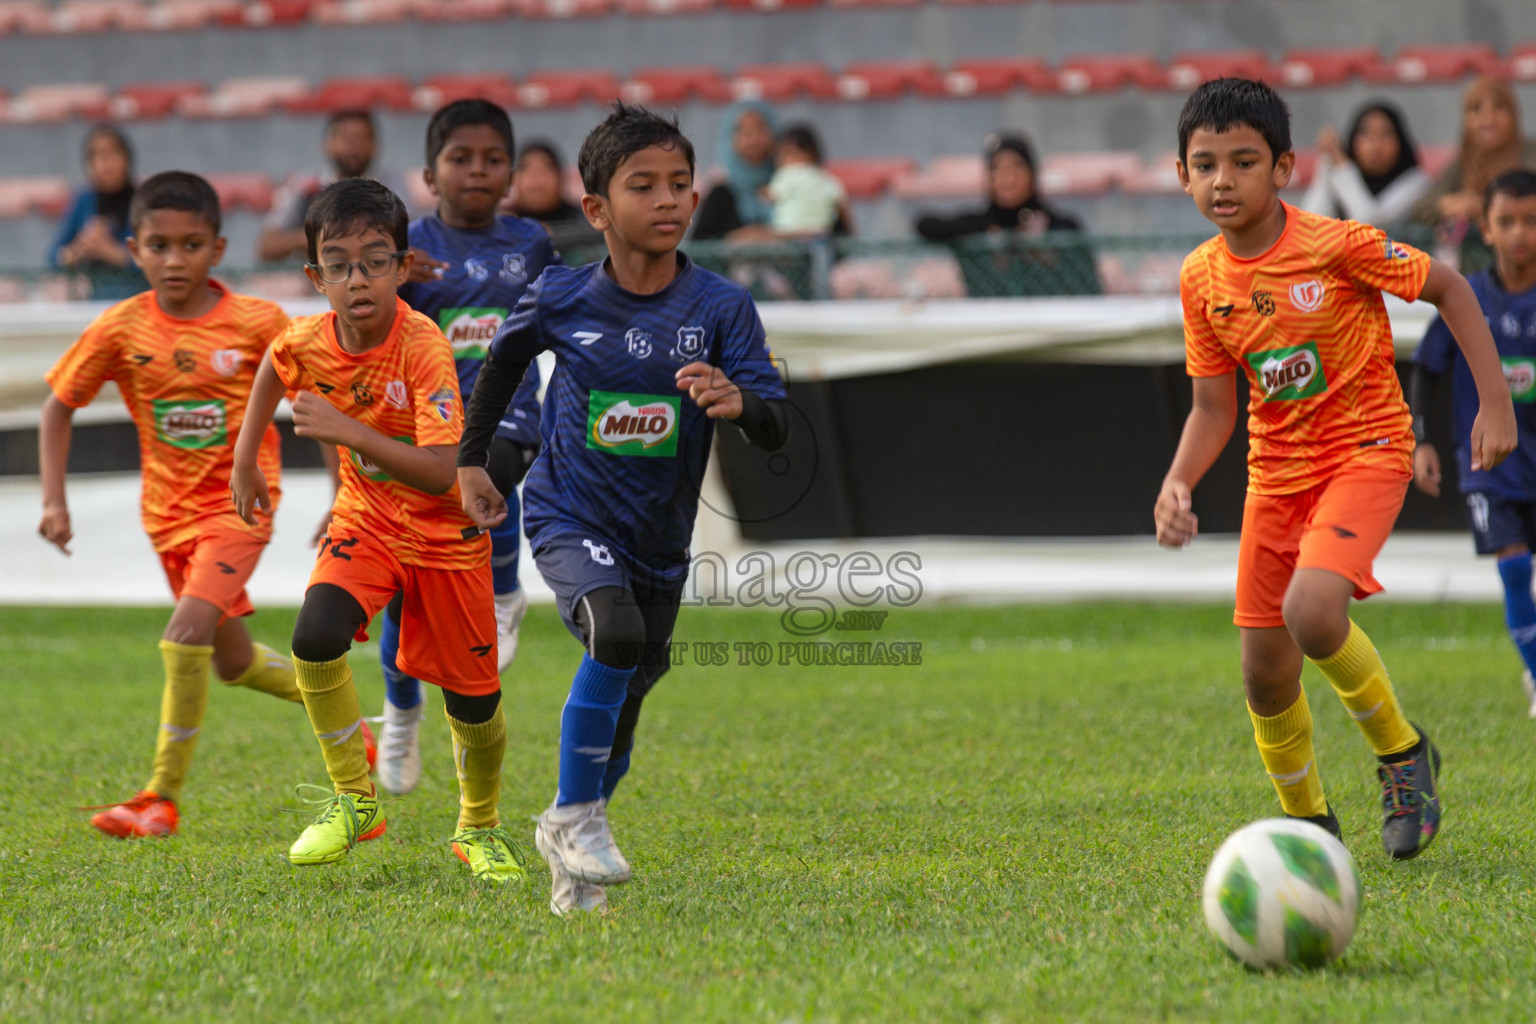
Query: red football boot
[(147, 814)]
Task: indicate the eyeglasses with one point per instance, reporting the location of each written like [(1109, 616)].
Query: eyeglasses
[(375, 264)]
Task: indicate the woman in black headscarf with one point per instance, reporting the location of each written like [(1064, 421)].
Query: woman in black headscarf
[(93, 236), (1000, 248), (1375, 178)]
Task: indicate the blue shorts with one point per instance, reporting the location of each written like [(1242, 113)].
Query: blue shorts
[(1498, 523), (573, 566)]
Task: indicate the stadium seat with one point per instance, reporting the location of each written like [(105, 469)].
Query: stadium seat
[(781, 82), (362, 12), (663, 7), (441, 89), (878, 80), (997, 76), (675, 85), (267, 12), (100, 16), (1188, 70), (871, 176), (562, 8), (1445, 63), (1306, 165), (1302, 69), (187, 15), (1109, 73), (21, 196), (945, 177), (245, 97), (57, 102), (963, 3), (157, 99), (465, 10), (768, 5), (25, 16), (363, 93), (1158, 176), (1088, 174), (567, 88), (1522, 63), (874, 3), (243, 191)]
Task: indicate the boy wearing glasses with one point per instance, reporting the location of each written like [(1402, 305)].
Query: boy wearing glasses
[(377, 380)]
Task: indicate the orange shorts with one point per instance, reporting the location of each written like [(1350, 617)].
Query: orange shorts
[(1339, 526), (214, 567), (447, 618)]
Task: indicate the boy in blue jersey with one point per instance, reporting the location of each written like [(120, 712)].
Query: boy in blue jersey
[(1501, 502), (649, 351), (471, 269)]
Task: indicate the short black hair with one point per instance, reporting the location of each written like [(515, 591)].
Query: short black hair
[(352, 114), (544, 146), (354, 205), (176, 190), (461, 114), (803, 137), (1225, 103), (624, 132), (1517, 184)]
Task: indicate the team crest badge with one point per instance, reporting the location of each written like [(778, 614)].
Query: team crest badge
[(1395, 251), (514, 268), (690, 343), (1307, 296), (442, 401), (476, 270), (638, 342), (394, 394), (226, 361)]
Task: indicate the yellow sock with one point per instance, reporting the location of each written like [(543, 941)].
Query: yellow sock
[(1285, 744), (270, 672), (337, 718), (181, 714), (1362, 683), (477, 751)]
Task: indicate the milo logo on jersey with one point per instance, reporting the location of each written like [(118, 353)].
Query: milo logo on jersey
[(198, 423), (1521, 375), (1287, 374), (370, 470), (633, 424), (470, 329)]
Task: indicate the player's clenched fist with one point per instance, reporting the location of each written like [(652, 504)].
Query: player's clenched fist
[(55, 527), (711, 390), (315, 417), (482, 502), (1494, 434), (248, 487), (1176, 520)]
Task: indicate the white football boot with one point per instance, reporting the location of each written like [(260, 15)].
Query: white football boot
[(567, 896), (577, 835), (399, 766), (1529, 684), (510, 609)]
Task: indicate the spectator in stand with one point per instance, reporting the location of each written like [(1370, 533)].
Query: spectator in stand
[(747, 140), (351, 143), (1491, 144), (1376, 179), (93, 236), (538, 192), (1002, 249), (808, 201)]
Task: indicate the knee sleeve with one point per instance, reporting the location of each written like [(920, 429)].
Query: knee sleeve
[(612, 627), (471, 710), (326, 624)]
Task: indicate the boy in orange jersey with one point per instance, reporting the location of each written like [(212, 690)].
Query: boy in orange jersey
[(377, 380), (183, 355), (1293, 300)]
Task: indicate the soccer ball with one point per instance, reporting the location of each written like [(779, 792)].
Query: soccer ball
[(1282, 893)]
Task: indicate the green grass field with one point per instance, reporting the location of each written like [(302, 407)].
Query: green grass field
[(1016, 830)]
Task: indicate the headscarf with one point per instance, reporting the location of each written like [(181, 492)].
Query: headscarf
[(1407, 152), (1013, 142), (747, 180), (113, 206), (1480, 166)]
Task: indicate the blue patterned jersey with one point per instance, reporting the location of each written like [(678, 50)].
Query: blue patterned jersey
[(488, 270), (624, 450), (1512, 321)]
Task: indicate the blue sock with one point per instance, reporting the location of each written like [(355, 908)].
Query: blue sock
[(1519, 608), (505, 545), (618, 767), (401, 690), (587, 725)]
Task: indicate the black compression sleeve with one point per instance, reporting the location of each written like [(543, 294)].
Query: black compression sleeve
[(1421, 400), (764, 421), (488, 403)]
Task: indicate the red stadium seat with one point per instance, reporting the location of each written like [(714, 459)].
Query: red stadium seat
[(1087, 174), (997, 76), (1157, 176), (1522, 63), (562, 8), (365, 93), (362, 12), (25, 16), (662, 7), (946, 177), (151, 100), (245, 97), (780, 82), (1445, 63), (567, 88), (267, 12), (100, 16), (1188, 70), (878, 80), (186, 15), (57, 102), (868, 178), (21, 196), (675, 85), (1306, 165), (978, 2), (443, 89), (1109, 73), (768, 5), (1302, 69), (874, 3), (243, 191), (465, 10)]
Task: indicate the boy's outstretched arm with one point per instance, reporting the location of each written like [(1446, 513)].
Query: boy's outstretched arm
[(247, 483), (1205, 434), (55, 430), (1494, 433)]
